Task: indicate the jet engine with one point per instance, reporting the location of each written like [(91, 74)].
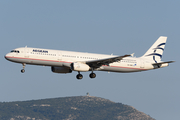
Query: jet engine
[(81, 67), (61, 69)]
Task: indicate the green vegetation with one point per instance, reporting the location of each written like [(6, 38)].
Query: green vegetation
[(80, 108)]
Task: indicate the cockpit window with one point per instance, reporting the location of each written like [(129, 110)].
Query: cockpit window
[(16, 51)]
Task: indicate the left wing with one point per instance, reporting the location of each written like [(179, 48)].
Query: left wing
[(107, 61)]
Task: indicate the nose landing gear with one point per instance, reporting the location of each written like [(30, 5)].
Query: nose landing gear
[(23, 70)]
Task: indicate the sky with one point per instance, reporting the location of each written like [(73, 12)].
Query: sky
[(95, 26)]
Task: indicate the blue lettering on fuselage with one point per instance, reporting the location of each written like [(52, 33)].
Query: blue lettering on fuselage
[(43, 51)]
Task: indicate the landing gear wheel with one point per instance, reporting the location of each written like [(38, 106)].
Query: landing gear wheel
[(79, 76), (92, 75), (22, 70)]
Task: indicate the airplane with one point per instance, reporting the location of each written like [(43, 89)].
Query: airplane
[(68, 61)]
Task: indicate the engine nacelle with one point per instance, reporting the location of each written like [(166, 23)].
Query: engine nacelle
[(81, 67), (61, 70)]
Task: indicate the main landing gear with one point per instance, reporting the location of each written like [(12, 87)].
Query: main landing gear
[(92, 75), (80, 76), (23, 70)]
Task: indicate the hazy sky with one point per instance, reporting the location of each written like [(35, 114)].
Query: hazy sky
[(94, 26)]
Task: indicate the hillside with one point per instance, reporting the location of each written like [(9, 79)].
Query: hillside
[(70, 108)]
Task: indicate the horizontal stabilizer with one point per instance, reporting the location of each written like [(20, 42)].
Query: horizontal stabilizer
[(162, 63)]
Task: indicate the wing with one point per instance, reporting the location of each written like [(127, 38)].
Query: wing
[(107, 61)]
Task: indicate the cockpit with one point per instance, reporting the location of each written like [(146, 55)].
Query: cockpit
[(15, 51)]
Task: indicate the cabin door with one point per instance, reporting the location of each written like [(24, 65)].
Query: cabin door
[(26, 52), (142, 64), (59, 56)]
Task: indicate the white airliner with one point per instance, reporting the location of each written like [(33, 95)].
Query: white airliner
[(68, 61)]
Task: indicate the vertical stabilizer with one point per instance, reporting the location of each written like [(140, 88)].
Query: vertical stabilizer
[(155, 52)]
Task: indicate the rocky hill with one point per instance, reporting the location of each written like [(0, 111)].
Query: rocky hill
[(70, 108)]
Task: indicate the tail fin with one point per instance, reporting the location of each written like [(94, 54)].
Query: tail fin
[(155, 52)]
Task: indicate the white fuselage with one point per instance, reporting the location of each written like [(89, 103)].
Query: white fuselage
[(68, 61), (58, 58)]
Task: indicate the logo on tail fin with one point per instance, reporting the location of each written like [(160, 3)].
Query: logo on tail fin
[(157, 53)]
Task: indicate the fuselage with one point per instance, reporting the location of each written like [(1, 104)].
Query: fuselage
[(68, 61), (59, 58)]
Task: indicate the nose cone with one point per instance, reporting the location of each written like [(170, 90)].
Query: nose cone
[(7, 56)]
